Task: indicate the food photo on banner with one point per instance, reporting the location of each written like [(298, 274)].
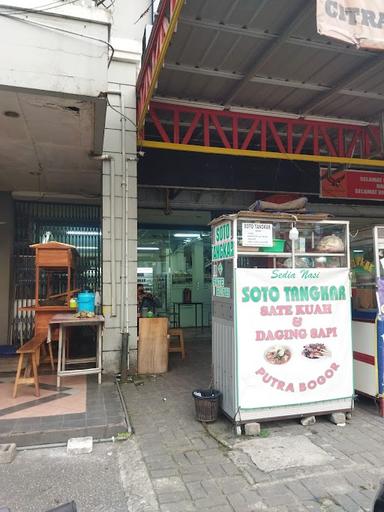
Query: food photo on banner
[(294, 331)]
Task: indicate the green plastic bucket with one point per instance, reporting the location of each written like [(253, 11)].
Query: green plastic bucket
[(278, 246)]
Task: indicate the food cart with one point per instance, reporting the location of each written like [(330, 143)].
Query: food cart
[(281, 323), (367, 261)]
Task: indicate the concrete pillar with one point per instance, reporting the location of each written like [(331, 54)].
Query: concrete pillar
[(122, 78), (6, 246)]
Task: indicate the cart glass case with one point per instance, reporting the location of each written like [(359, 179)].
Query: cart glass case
[(281, 325), (367, 262), (365, 272)]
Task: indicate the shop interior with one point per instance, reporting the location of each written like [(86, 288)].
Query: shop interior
[(175, 264)]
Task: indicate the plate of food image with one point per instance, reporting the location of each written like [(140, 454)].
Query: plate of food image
[(316, 351), (278, 355)]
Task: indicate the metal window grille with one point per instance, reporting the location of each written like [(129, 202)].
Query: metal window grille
[(78, 225)]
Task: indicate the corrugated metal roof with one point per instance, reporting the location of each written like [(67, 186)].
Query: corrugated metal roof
[(266, 54)]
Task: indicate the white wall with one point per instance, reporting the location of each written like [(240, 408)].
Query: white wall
[(126, 38), (125, 16), (122, 77), (37, 57)]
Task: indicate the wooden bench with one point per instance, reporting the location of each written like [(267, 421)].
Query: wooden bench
[(30, 348)]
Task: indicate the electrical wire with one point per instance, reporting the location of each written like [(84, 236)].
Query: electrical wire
[(14, 10), (101, 2), (120, 113), (144, 13), (38, 9), (58, 29)]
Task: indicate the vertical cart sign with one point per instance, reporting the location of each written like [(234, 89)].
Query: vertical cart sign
[(223, 247), (294, 336)]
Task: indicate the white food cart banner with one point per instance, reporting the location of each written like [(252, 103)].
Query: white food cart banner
[(294, 336), (359, 22)]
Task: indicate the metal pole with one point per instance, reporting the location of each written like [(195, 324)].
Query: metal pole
[(124, 356), (381, 125), (111, 160), (124, 256)]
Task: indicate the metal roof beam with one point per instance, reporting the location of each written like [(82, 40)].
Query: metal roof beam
[(154, 55), (339, 86), (218, 30), (300, 14), (231, 10), (226, 128), (238, 76), (266, 80), (268, 36), (172, 100), (267, 136)]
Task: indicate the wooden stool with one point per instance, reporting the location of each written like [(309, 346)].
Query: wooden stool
[(31, 349), (177, 333)]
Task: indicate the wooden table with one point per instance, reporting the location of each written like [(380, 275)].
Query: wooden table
[(65, 320)]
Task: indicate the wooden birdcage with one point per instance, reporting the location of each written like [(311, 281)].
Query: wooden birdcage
[(55, 271)]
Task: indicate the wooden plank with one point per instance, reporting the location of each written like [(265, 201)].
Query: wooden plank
[(33, 344), (53, 258), (153, 346), (43, 317)]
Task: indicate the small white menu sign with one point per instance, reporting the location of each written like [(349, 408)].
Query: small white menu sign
[(257, 234)]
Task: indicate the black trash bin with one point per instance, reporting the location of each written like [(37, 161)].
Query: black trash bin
[(207, 403)]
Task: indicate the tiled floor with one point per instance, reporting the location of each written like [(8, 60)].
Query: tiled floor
[(81, 407), (70, 400)]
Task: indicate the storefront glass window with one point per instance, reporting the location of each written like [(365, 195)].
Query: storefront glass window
[(172, 264), (363, 275)]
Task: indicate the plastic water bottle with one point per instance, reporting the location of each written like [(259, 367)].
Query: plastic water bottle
[(97, 303)]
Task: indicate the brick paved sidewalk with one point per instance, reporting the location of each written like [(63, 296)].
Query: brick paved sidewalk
[(191, 471)]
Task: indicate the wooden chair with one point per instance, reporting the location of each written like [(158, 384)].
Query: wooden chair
[(176, 333), (32, 349)]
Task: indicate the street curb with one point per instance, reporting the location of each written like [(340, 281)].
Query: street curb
[(124, 407)]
